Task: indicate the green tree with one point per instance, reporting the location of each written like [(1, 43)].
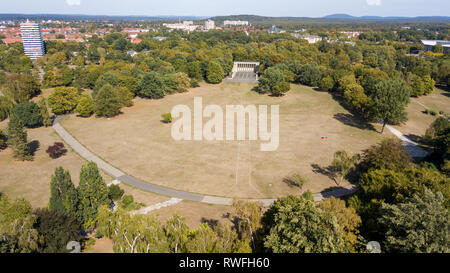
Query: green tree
[(420, 225), (63, 100), (85, 106), (390, 99), (6, 107), (17, 139), (347, 219), (177, 233), (29, 114), (202, 240), (214, 72), (389, 154), (355, 96), (55, 229), (17, 232), (46, 119), (132, 233), (183, 82), (125, 95), (151, 85), (343, 164), (271, 80), (194, 70), (297, 225), (92, 194), (247, 216), (20, 87), (327, 83), (63, 195), (115, 192), (107, 102)]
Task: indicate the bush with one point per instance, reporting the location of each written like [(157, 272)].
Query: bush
[(433, 112), (115, 192), (128, 203), (326, 84), (296, 180), (194, 83), (56, 150), (29, 113), (167, 117), (127, 200)]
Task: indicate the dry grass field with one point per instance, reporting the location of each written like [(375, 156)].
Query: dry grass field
[(31, 179), (140, 145), (418, 122)]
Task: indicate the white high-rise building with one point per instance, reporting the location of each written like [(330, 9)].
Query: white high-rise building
[(209, 24), (235, 23), (33, 44)]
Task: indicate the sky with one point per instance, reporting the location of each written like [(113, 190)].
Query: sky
[(298, 8)]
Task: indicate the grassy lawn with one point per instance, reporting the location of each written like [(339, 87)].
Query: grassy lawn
[(140, 145), (418, 122), (31, 179), (194, 212)]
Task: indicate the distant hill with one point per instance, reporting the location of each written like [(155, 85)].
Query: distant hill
[(339, 16)]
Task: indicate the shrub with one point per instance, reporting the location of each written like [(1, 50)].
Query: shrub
[(194, 83), (167, 117), (433, 112), (326, 84), (128, 203), (56, 150), (115, 192), (296, 180), (126, 200), (29, 113)]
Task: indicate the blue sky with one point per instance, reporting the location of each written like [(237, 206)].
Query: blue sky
[(307, 8)]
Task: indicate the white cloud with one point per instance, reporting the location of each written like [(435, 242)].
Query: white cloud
[(73, 2), (374, 2)]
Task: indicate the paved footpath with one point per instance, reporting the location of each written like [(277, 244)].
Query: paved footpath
[(412, 148), (161, 190)]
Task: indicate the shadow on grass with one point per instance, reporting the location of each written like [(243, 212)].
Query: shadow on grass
[(212, 223), (338, 192), (354, 121), (327, 171), (415, 138), (34, 146)]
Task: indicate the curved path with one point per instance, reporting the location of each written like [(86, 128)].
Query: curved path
[(161, 190)]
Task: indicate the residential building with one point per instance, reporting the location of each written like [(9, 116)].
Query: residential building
[(235, 23), (32, 40), (209, 24)]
